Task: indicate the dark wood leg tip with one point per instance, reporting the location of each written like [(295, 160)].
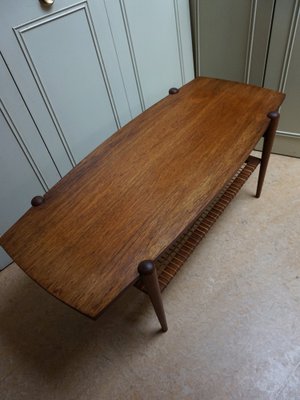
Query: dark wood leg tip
[(273, 115), (37, 201), (173, 90), (148, 274), (269, 136), (258, 192), (146, 267)]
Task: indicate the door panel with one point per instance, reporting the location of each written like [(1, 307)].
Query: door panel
[(184, 37), (65, 65), (282, 73), (290, 116), (72, 74), (154, 47), (16, 169), (222, 30), (26, 132), (278, 43), (59, 94), (257, 42), (158, 53), (18, 180), (74, 87), (14, 14), (231, 38), (116, 13), (25, 164)]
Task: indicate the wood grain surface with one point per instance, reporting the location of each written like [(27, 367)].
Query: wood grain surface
[(134, 195)]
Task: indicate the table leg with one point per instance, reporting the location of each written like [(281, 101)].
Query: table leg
[(267, 147), (148, 274)]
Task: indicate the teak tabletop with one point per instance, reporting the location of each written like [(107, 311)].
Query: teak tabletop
[(133, 196)]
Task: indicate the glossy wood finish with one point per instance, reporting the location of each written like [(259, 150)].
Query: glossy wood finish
[(136, 193)]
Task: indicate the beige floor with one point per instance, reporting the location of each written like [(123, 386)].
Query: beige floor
[(233, 314)]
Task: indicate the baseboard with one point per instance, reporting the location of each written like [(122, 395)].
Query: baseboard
[(284, 145)]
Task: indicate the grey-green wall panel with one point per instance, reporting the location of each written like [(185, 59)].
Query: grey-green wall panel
[(24, 81), (154, 48), (185, 38), (25, 130), (253, 41), (284, 145), (4, 259), (78, 94), (76, 72), (223, 28), (290, 116), (278, 44), (116, 12), (260, 26), (283, 65), (153, 36), (231, 38), (18, 179)]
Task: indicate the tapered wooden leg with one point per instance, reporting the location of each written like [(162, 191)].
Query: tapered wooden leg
[(148, 274), (267, 147)]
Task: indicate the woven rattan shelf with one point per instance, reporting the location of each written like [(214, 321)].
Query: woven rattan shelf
[(172, 259)]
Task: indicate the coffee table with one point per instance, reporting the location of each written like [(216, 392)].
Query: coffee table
[(135, 208)]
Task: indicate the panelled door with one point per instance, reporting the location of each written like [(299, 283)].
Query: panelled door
[(72, 73), (63, 61), (58, 60), (24, 169), (257, 42), (283, 72)]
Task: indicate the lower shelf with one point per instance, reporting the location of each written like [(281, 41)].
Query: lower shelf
[(173, 258)]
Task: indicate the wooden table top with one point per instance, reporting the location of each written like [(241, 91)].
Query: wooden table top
[(132, 196)]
